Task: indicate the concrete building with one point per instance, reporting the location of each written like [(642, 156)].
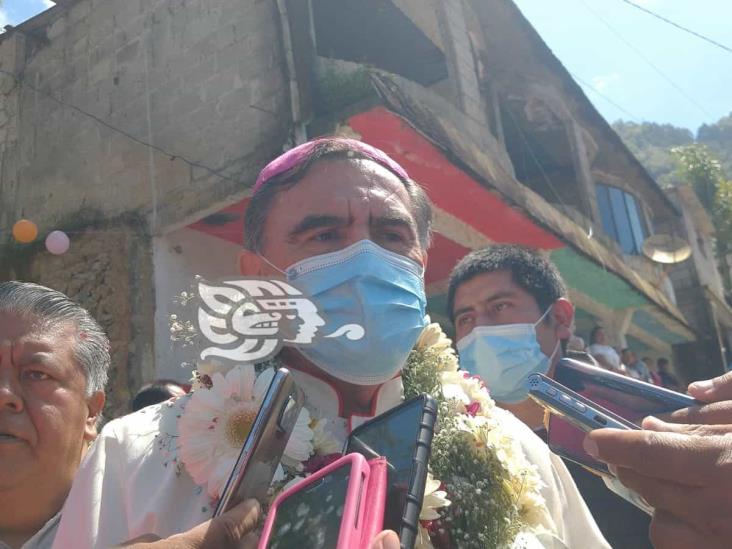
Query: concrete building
[(138, 127), (698, 286)]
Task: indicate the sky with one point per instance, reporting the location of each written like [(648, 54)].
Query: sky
[(616, 57), (630, 65)]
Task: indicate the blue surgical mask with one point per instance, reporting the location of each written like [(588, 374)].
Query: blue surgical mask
[(504, 356), (369, 286)]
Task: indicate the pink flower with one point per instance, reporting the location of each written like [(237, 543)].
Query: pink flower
[(316, 463), (473, 408)]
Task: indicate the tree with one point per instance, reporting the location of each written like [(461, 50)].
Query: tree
[(699, 167)]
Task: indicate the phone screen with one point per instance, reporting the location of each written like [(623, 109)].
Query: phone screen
[(393, 436), (632, 401), (311, 518)]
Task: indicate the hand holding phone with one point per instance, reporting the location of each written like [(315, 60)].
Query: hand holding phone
[(572, 416)]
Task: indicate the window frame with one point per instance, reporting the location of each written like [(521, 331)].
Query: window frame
[(616, 207)]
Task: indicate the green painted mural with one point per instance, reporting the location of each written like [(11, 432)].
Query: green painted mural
[(595, 282)]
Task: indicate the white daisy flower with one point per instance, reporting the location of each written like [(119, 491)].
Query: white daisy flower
[(434, 499), (324, 441), (216, 423)]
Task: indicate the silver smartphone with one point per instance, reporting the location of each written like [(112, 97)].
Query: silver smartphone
[(577, 409), (262, 451), (586, 415)]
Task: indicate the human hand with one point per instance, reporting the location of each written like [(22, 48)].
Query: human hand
[(717, 394), (385, 540), (684, 471), (230, 530)]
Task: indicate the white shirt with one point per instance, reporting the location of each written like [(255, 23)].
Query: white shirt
[(130, 483), (607, 352)]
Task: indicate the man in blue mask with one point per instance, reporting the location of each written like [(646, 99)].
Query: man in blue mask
[(512, 319), (511, 316), (343, 223)]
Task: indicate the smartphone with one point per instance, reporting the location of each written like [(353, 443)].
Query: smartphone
[(627, 397), (262, 450), (325, 510), (581, 412), (403, 435), (579, 415)]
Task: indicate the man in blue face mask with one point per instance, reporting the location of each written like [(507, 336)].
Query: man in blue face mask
[(344, 224), (511, 316), (512, 319)]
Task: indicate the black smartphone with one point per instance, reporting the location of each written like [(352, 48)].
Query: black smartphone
[(626, 397), (403, 435), (262, 450)]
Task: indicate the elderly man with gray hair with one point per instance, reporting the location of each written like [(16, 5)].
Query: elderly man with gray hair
[(54, 359)]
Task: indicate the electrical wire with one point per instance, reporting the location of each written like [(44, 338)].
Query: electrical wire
[(680, 27), (605, 97), (650, 63), (21, 81)]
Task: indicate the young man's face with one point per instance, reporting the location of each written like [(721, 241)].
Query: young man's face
[(492, 299)]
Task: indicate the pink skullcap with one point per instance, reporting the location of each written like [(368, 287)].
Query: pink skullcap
[(301, 153)]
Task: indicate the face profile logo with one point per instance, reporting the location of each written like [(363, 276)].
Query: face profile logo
[(249, 320)]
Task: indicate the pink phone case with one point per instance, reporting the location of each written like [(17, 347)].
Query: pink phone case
[(352, 523), (373, 521)]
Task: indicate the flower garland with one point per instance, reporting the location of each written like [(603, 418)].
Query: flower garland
[(494, 491), (481, 491)]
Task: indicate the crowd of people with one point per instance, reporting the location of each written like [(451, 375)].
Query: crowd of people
[(362, 226), (626, 362)]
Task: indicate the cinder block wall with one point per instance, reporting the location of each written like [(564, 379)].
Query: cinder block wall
[(201, 80)]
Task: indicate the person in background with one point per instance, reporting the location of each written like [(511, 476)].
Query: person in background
[(156, 391), (511, 316), (668, 380), (606, 356), (655, 378), (54, 359), (636, 368)]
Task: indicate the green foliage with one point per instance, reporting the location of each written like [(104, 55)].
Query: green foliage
[(337, 89), (703, 171), (673, 156), (718, 138), (651, 144)]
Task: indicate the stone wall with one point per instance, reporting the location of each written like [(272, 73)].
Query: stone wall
[(108, 271)]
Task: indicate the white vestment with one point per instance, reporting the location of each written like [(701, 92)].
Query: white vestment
[(41, 539), (131, 482)]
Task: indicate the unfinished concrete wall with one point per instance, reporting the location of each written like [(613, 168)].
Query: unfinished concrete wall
[(200, 80)]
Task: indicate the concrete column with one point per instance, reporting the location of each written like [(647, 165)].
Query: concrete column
[(583, 170)]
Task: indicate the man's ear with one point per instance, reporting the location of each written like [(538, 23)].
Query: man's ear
[(563, 314), (95, 405), (250, 264)]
